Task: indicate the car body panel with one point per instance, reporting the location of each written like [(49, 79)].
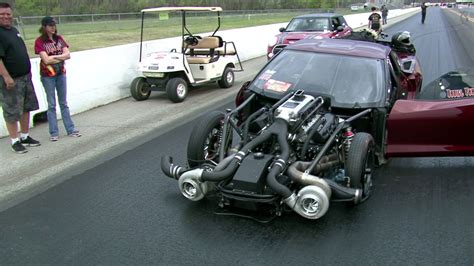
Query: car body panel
[(343, 47), (431, 128), (440, 119)]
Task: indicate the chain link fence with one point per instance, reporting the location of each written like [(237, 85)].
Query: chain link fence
[(92, 18), (29, 25)]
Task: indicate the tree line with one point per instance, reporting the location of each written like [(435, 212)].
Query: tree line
[(61, 7)]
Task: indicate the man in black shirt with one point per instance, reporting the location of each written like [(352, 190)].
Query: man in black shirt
[(374, 20), (384, 11), (19, 96), (423, 12)]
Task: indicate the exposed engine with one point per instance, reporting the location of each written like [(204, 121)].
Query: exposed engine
[(294, 155)]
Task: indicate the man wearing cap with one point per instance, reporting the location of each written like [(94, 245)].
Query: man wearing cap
[(17, 90)]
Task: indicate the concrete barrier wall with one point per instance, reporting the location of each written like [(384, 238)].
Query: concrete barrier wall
[(101, 76)]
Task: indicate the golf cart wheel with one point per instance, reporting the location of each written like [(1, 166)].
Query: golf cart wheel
[(360, 162), (227, 79), (204, 142), (139, 89), (177, 89)]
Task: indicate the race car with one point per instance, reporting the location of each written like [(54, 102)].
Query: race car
[(314, 123), (320, 25)]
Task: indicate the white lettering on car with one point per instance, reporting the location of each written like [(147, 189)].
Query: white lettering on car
[(469, 92), (455, 93)]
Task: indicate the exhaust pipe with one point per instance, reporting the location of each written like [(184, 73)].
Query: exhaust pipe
[(170, 169), (345, 193), (295, 171)]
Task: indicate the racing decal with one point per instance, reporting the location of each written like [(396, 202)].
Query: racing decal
[(267, 75), (160, 56), (469, 92), (275, 85), (460, 93)]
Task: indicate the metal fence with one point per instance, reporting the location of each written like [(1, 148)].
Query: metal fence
[(35, 20), (97, 23)]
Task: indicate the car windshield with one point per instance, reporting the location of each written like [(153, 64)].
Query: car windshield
[(308, 24), (349, 81)]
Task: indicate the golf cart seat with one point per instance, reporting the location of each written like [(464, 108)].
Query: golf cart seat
[(204, 51), (225, 48), (223, 51)]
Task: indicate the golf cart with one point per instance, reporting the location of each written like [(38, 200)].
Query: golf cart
[(202, 59)]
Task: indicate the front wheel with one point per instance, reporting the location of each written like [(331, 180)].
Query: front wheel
[(139, 89), (205, 140), (227, 79), (177, 89), (359, 163)]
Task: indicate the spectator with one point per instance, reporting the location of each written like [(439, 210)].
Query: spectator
[(53, 51), (374, 20), (18, 93), (384, 11), (423, 12)]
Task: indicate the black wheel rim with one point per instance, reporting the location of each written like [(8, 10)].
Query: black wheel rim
[(211, 146)]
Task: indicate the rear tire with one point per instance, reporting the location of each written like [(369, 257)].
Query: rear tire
[(360, 163), (203, 144), (139, 89), (227, 79), (177, 89)]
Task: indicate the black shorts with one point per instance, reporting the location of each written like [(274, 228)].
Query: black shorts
[(19, 99), (375, 26)]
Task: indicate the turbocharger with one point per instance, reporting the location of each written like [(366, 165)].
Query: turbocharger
[(311, 202), (191, 186)]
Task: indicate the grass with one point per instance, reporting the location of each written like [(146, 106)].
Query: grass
[(89, 35)]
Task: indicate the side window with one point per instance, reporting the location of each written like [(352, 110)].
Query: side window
[(393, 58), (392, 88), (397, 78), (335, 23), (342, 21)]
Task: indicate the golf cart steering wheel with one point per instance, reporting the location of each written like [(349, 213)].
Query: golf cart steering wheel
[(191, 40)]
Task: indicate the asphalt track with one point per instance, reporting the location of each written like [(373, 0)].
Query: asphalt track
[(122, 210)]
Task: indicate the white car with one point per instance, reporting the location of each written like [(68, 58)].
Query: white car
[(356, 7)]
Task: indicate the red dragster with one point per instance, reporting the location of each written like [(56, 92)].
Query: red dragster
[(323, 25), (310, 127)]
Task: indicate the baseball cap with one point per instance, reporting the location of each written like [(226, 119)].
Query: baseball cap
[(48, 21)]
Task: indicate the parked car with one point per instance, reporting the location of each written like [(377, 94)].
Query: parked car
[(315, 121), (356, 7), (323, 25)]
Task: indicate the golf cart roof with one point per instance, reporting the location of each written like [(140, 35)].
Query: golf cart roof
[(183, 8)]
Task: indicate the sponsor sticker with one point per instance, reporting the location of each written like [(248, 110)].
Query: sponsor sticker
[(266, 75), (275, 85)]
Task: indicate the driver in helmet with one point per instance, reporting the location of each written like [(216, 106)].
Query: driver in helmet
[(401, 42)]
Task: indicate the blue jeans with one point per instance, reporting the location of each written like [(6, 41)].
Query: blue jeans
[(51, 86)]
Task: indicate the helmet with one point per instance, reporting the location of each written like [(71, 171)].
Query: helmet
[(401, 38), (401, 42)]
